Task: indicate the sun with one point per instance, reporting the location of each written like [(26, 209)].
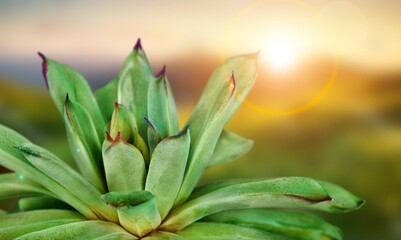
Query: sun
[(280, 53)]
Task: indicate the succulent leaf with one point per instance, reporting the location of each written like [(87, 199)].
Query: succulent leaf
[(153, 136), (213, 186), (161, 106), (163, 236), (133, 84), (223, 231), (230, 146), (106, 96), (298, 225), (84, 143), (14, 232), (342, 200), (41, 202), (122, 121), (124, 165), (219, 101), (279, 192), (140, 143), (166, 170), (62, 80), (116, 236), (78, 231), (22, 218), (14, 160), (14, 185), (63, 174), (137, 211)]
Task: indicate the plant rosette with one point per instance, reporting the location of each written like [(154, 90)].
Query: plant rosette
[(135, 172)]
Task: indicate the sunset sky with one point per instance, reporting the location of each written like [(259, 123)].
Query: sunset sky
[(98, 33)]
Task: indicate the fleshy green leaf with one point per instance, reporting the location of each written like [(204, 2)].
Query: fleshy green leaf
[(22, 218), (106, 96), (41, 202), (84, 143), (14, 160), (221, 98), (133, 83), (124, 166), (78, 231), (14, 185), (161, 106), (14, 232), (279, 192), (153, 136), (167, 169), (63, 174), (137, 211), (297, 225), (62, 80), (230, 146), (163, 236), (117, 236), (222, 231), (213, 186), (140, 143), (122, 121), (342, 200)]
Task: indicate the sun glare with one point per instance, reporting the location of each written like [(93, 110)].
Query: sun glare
[(280, 54)]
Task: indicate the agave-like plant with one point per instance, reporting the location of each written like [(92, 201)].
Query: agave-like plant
[(134, 174)]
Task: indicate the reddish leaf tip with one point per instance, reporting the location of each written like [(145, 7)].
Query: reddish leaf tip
[(234, 82), (116, 104), (118, 138), (108, 137), (44, 68), (138, 45), (162, 72)]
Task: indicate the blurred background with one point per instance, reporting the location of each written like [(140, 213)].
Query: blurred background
[(327, 102)]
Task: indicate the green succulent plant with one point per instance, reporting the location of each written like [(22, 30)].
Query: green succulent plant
[(135, 172)]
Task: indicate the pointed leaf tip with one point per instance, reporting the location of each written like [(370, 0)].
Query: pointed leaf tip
[(234, 82), (108, 137), (44, 68), (162, 72), (118, 138), (138, 45)]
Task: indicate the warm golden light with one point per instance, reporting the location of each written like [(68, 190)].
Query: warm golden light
[(280, 53)]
